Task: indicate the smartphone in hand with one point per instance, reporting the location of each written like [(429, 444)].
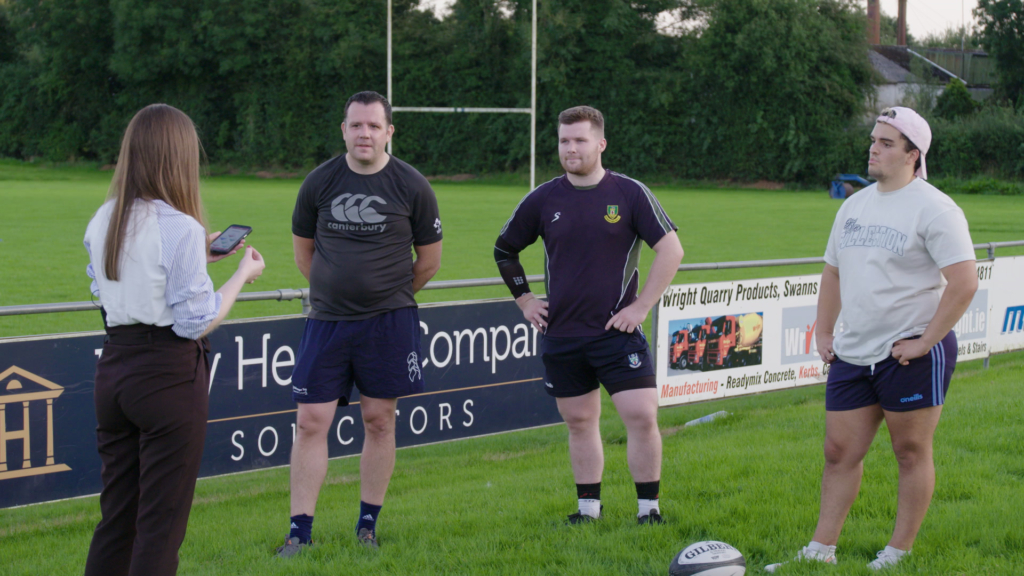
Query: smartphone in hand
[(229, 239)]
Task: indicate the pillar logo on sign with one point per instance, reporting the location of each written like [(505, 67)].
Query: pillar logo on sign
[(21, 387)]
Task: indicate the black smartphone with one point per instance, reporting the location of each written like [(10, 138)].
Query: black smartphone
[(230, 238)]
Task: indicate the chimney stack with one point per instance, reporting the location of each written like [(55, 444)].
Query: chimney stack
[(874, 22), (901, 32)]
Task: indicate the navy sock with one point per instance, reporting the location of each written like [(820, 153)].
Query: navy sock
[(302, 528), (648, 490), (588, 491), (368, 514)]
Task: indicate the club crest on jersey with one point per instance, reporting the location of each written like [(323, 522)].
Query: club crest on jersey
[(613, 213), (634, 360)]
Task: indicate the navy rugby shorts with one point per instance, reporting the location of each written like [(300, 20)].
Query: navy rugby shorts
[(574, 365), (921, 384), (380, 356)]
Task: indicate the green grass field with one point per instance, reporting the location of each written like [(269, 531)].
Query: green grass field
[(494, 505), (45, 211)]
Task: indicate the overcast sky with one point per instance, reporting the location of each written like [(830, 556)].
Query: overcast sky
[(924, 17)]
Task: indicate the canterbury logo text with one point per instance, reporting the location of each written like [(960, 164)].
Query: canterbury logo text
[(356, 208)]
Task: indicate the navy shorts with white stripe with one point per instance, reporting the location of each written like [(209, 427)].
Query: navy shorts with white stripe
[(921, 384)]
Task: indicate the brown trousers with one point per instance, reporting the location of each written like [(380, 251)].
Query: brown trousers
[(152, 400)]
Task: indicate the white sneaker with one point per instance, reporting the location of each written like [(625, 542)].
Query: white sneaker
[(808, 555), (887, 557)]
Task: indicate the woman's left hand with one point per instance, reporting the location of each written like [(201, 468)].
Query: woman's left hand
[(210, 257)]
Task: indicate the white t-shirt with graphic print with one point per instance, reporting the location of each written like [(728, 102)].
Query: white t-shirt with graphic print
[(889, 248)]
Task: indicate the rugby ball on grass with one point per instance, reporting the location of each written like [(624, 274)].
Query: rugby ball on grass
[(708, 559)]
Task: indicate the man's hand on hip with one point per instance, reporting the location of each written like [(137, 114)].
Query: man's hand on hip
[(627, 319), (907, 350), (534, 310), (824, 343)]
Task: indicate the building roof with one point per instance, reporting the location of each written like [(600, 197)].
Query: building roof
[(894, 64), (892, 72)]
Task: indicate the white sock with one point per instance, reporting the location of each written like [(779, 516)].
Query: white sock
[(896, 551), (646, 506), (590, 507), (821, 548)]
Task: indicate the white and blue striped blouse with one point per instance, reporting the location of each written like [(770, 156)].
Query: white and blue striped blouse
[(163, 279)]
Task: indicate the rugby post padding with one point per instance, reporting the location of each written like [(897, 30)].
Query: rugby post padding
[(479, 361)]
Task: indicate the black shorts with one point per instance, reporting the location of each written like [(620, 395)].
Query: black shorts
[(922, 383), (619, 360), (379, 355)]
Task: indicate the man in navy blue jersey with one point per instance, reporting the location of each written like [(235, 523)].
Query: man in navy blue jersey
[(592, 222)]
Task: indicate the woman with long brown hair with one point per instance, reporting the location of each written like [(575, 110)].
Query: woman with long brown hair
[(148, 250)]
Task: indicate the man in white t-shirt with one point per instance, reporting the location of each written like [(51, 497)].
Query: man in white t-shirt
[(900, 272)]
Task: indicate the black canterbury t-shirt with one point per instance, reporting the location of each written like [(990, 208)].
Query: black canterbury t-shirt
[(592, 239), (363, 229)]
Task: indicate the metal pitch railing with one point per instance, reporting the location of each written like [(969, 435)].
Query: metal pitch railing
[(287, 294)]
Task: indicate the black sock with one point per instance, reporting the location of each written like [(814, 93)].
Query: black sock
[(648, 490), (368, 514), (588, 491), (302, 528)]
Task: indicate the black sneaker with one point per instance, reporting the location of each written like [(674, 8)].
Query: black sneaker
[(292, 546), (652, 518), (581, 518), (367, 538)]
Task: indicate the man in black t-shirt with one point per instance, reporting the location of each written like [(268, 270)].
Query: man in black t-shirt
[(357, 220), (593, 222)]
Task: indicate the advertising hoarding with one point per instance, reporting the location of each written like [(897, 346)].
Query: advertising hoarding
[(480, 364)]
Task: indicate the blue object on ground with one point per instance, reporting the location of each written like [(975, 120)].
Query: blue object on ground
[(838, 191)]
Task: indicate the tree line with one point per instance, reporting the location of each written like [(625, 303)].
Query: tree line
[(748, 89)]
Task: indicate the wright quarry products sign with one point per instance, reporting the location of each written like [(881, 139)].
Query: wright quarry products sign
[(479, 360), (731, 338), (726, 339)]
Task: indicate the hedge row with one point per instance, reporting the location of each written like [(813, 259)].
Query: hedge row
[(761, 89)]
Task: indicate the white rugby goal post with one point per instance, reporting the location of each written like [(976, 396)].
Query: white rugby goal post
[(532, 110)]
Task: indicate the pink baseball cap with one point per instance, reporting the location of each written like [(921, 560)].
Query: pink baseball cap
[(914, 127)]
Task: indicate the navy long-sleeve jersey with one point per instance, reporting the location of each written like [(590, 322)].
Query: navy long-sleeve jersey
[(592, 241)]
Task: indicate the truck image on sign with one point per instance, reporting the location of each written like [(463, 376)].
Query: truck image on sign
[(734, 341), (686, 341), (678, 348), (698, 341)]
